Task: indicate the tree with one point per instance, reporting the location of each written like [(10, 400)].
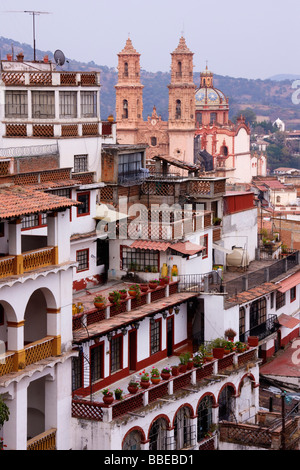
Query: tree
[(248, 114)]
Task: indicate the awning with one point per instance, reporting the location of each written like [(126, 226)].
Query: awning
[(221, 248), (108, 215), (187, 248), (288, 321), (150, 245), (290, 282)]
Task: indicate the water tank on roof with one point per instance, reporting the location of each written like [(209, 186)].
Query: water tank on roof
[(238, 258)]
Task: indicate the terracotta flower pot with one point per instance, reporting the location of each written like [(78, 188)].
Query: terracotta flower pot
[(108, 399), (175, 371), (253, 341), (153, 285), (165, 375), (218, 353), (99, 304), (182, 368), (144, 287), (155, 380), (145, 383), (123, 295), (132, 293), (132, 389), (190, 365)]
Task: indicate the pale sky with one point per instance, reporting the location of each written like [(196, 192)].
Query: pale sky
[(249, 39)]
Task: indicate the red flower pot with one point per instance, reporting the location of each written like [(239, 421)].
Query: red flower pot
[(145, 383), (175, 371), (108, 399), (218, 353), (99, 304), (132, 389), (153, 285), (190, 365), (144, 287), (132, 293), (165, 375), (123, 295), (182, 368), (253, 341)]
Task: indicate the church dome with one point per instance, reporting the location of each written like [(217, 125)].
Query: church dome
[(207, 94)]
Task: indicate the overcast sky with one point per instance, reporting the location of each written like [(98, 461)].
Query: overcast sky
[(253, 39)]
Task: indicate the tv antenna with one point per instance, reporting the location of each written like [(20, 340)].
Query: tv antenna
[(33, 13)]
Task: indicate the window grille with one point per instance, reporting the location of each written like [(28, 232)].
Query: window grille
[(115, 354), (280, 299), (132, 441), (80, 163), (184, 432), (140, 260), (82, 258), (16, 104), (129, 164), (258, 312), (84, 208), (158, 435), (96, 363), (76, 372), (204, 420), (43, 105), (154, 337)]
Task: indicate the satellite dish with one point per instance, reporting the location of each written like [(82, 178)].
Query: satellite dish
[(59, 57)]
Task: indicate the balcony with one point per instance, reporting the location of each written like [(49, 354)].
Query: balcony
[(44, 441), (27, 261), (34, 352), (263, 330), (188, 382)]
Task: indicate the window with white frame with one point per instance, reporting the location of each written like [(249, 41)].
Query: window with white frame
[(88, 103), (67, 104), (43, 104), (16, 103)]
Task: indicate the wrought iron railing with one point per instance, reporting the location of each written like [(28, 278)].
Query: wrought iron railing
[(208, 282), (263, 330)]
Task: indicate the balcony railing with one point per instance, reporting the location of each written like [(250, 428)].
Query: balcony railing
[(209, 282), (30, 260), (263, 330), (44, 441), (95, 410)]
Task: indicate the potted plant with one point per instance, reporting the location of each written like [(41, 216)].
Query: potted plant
[(153, 284), (190, 363), (205, 352), (218, 346), (144, 287), (183, 358), (197, 360), (155, 375), (108, 397), (145, 379), (240, 346), (164, 280), (133, 386), (175, 370), (134, 291), (118, 393), (114, 297), (217, 221), (165, 373), (123, 293), (228, 347), (253, 341), (99, 301), (230, 334)]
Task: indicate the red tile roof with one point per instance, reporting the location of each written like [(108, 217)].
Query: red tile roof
[(254, 293), (17, 201), (187, 248), (290, 282), (288, 321), (150, 245)]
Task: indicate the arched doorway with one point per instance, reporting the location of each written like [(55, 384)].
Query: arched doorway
[(226, 404)]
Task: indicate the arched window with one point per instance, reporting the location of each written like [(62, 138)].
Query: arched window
[(125, 69), (178, 110), (184, 432), (204, 420), (132, 441), (224, 150), (153, 141), (226, 410), (179, 69), (125, 109), (158, 435), (213, 117)]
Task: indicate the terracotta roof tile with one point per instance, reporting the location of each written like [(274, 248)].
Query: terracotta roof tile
[(254, 293), (187, 248), (150, 245), (17, 201), (291, 281)]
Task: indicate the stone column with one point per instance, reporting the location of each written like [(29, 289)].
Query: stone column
[(15, 429)]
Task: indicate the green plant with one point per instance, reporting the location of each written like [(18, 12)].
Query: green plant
[(218, 343), (144, 376), (229, 345), (184, 358), (4, 412), (154, 281), (240, 345), (107, 393), (118, 391), (155, 372), (133, 383), (154, 269), (217, 221), (115, 297), (166, 370), (136, 288), (198, 360), (123, 291), (100, 299)]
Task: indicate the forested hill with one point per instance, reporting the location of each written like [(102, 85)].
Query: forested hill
[(269, 99)]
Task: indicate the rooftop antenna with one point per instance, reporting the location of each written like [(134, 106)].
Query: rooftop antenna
[(33, 13)]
